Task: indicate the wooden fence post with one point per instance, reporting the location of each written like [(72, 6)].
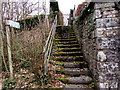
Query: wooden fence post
[(9, 51)]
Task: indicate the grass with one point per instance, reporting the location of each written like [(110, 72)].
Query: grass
[(63, 80), (92, 85), (57, 58), (60, 49), (59, 71), (60, 64), (9, 84)]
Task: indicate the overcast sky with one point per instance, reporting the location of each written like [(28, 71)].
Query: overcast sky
[(66, 5)]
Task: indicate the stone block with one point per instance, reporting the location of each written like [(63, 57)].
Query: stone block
[(103, 5), (112, 33), (111, 16), (107, 22), (103, 85), (112, 55), (108, 43), (101, 56), (107, 68), (116, 27), (106, 13), (100, 32), (109, 32), (97, 14), (102, 43), (106, 85), (108, 78), (113, 43), (107, 9)]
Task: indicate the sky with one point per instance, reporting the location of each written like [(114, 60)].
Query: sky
[(66, 5)]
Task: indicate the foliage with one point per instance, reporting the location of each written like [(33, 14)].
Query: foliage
[(28, 50), (43, 80), (92, 85), (63, 80), (60, 64), (27, 54), (9, 84)]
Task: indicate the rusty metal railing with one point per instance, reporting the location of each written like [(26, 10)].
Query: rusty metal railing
[(48, 46)]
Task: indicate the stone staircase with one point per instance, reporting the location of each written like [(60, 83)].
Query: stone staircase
[(68, 52)]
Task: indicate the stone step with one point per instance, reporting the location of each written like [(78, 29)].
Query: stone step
[(68, 49), (67, 45), (57, 40), (62, 38), (67, 42), (77, 87), (82, 64), (76, 80), (69, 58), (72, 36), (73, 71), (68, 53), (73, 64)]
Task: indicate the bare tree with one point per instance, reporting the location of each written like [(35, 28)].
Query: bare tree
[(20, 10)]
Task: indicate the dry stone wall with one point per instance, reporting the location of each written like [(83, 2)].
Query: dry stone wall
[(99, 34)]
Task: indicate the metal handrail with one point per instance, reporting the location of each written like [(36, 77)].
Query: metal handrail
[(48, 46)]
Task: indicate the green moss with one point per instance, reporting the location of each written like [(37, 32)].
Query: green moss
[(59, 71), (57, 58), (60, 25), (57, 54), (60, 49), (68, 76), (57, 39), (73, 36), (59, 45), (60, 64), (71, 42), (9, 84), (64, 53), (63, 80), (92, 85)]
